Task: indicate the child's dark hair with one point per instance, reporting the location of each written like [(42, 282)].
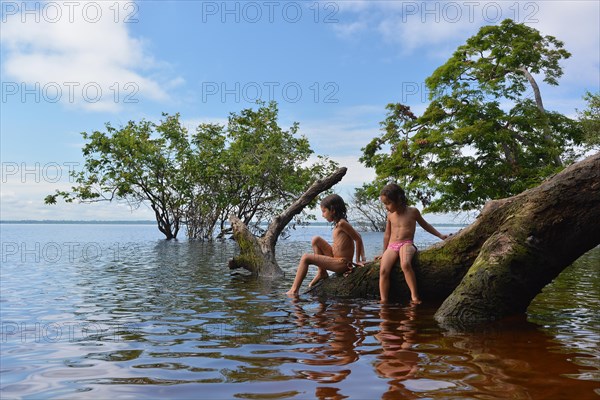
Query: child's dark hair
[(335, 203), (395, 193)]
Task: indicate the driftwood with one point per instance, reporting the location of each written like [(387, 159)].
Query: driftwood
[(496, 266), (257, 255)]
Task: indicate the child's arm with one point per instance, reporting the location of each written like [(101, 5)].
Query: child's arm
[(425, 225), (387, 235), (360, 249)]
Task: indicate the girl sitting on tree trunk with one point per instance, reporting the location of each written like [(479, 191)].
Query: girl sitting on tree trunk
[(398, 239), (336, 257)]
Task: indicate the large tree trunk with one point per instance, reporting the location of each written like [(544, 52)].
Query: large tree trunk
[(257, 255), (497, 265)]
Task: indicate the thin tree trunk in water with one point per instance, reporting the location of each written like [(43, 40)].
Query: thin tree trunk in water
[(257, 255), (163, 225), (496, 266)]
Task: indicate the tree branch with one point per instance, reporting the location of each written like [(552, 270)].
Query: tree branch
[(257, 255), (279, 223)]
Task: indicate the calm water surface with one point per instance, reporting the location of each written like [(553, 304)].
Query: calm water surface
[(114, 311)]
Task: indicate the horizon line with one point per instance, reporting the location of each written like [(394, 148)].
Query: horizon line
[(139, 222)]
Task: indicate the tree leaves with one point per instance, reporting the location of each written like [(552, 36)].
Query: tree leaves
[(481, 137), (251, 168), (262, 167)]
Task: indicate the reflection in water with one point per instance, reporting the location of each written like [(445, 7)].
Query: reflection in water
[(168, 320), (397, 336), (332, 329), (511, 360)]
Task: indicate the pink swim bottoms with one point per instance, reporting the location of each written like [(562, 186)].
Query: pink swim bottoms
[(396, 246)]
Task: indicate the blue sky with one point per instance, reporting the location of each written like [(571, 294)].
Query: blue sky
[(69, 67)]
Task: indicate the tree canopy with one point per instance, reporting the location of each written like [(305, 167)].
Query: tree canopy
[(141, 163), (251, 168), (482, 136)]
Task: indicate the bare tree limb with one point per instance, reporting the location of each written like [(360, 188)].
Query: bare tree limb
[(257, 255), (280, 222)]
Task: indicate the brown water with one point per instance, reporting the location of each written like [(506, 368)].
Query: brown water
[(108, 311)]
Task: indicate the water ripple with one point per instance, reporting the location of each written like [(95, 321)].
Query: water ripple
[(167, 320)]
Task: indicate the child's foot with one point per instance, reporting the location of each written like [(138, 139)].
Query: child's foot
[(415, 301), (292, 292)]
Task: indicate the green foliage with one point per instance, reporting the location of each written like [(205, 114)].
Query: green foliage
[(252, 168), (481, 137), (492, 63), (590, 120), (136, 165)]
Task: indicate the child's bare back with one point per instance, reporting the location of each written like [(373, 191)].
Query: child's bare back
[(343, 244), (336, 257)]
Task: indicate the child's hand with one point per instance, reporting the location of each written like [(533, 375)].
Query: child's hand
[(444, 237), (379, 257)]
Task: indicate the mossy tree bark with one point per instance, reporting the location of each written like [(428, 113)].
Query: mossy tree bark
[(257, 254), (496, 266)]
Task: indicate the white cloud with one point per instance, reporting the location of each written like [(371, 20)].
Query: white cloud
[(351, 29), (345, 132), (357, 173), (24, 187), (353, 6), (576, 24), (411, 33), (416, 25), (435, 28), (78, 53)]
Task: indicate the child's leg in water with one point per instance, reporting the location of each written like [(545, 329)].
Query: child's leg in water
[(325, 262), (407, 252)]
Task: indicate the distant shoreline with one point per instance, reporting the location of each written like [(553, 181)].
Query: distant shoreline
[(137, 222), (75, 222)]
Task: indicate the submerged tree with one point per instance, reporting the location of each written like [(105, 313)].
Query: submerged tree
[(252, 169), (367, 212), (141, 163), (481, 137)]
